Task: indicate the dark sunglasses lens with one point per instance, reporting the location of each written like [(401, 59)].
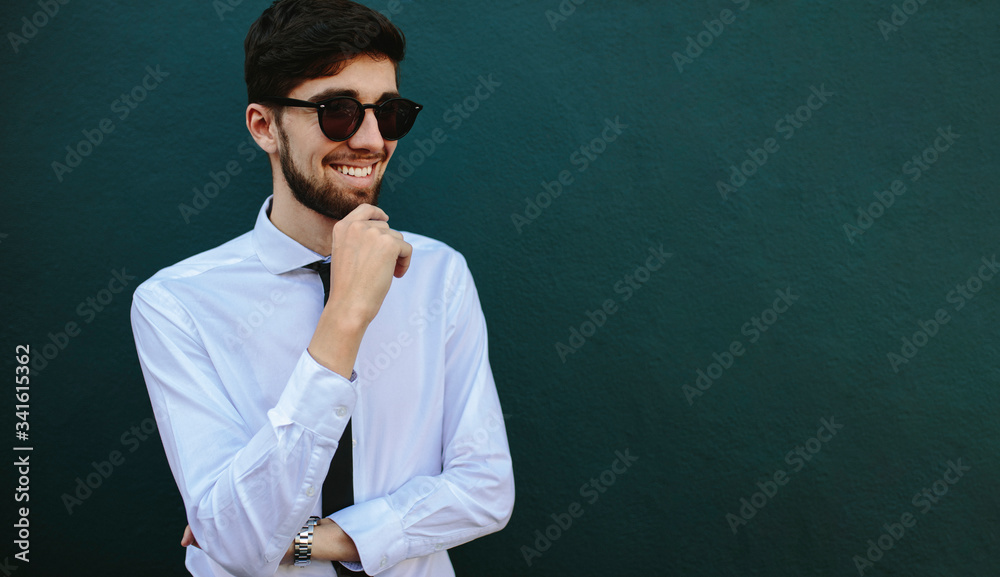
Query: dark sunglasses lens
[(341, 118), (395, 118)]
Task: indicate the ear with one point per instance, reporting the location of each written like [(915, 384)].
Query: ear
[(263, 127)]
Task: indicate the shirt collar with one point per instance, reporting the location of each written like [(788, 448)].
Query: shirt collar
[(278, 252)]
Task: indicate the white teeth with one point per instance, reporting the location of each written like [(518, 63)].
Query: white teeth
[(355, 171)]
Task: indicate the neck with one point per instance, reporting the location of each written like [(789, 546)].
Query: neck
[(309, 228)]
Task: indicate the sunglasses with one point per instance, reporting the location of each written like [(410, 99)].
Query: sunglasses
[(340, 117)]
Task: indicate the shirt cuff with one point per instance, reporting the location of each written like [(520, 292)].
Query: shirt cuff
[(317, 398), (353, 566), (377, 532)]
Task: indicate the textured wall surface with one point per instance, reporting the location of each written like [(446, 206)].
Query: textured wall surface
[(737, 260)]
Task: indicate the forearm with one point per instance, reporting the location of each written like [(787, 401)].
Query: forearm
[(245, 494), (473, 497), (247, 512), (245, 521), (337, 339)]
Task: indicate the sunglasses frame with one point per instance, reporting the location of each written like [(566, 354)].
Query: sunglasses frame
[(323, 104)]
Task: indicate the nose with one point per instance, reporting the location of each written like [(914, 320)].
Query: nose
[(367, 137)]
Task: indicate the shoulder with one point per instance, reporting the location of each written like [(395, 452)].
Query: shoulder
[(201, 268), (437, 258), (426, 243), (429, 249), (439, 266)]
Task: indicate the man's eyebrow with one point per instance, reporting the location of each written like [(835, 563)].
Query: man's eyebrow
[(334, 92), (387, 95)]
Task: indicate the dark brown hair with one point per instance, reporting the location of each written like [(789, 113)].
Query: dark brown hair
[(296, 40)]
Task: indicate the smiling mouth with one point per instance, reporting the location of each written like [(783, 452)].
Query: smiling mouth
[(356, 171)]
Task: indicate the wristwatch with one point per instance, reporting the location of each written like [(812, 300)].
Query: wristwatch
[(304, 543)]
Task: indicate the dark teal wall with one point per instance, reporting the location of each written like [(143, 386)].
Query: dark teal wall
[(855, 294)]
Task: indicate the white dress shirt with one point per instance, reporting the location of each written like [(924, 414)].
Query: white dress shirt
[(250, 421)]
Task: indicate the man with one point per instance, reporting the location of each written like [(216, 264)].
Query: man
[(257, 385)]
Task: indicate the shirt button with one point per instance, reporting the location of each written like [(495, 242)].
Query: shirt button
[(310, 491), (384, 560), (354, 442), (341, 411)]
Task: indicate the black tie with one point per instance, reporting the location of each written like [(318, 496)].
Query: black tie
[(338, 487)]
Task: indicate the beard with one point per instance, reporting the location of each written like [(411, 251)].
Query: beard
[(326, 198)]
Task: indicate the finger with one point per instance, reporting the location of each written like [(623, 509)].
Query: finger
[(403, 260), (367, 212), (364, 224), (188, 537)]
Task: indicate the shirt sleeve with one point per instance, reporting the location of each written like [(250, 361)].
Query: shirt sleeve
[(474, 494), (246, 492)]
